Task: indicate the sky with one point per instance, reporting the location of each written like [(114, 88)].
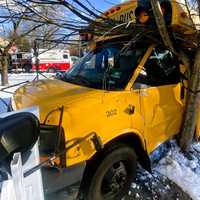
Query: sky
[(101, 5), (105, 4)]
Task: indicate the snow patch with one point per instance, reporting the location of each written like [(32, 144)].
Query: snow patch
[(6, 95), (181, 170)]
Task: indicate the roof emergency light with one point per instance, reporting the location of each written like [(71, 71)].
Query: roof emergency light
[(144, 13)]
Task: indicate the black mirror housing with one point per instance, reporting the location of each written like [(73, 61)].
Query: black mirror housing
[(18, 133)]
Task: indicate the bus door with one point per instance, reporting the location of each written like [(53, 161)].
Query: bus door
[(160, 96)]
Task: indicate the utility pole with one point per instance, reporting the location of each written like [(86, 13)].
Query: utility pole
[(37, 61)]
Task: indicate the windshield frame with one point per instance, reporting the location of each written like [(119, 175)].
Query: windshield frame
[(140, 67)]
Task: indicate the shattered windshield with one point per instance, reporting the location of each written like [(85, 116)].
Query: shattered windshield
[(108, 67)]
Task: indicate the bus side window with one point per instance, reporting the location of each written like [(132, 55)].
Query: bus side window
[(161, 68)]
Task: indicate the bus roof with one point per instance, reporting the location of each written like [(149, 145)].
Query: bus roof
[(123, 12), (180, 21)]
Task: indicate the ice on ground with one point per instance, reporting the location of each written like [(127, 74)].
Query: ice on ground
[(184, 170), (197, 147), (21, 77)]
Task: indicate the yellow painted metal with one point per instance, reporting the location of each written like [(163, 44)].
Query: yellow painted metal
[(85, 110), (124, 12), (163, 110)]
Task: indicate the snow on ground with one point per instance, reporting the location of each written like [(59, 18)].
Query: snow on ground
[(16, 79), (184, 170), (173, 171)]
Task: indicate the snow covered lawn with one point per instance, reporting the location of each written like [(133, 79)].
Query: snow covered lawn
[(15, 79), (175, 175), (183, 169)]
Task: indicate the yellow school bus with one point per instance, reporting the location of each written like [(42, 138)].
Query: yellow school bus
[(111, 110), (179, 16), (132, 10)]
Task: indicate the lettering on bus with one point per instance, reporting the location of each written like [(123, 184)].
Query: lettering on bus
[(125, 17)]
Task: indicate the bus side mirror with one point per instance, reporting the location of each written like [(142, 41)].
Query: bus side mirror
[(18, 133)]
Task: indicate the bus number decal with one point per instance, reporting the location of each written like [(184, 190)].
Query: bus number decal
[(111, 113)]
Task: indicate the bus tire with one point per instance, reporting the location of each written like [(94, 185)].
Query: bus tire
[(112, 176)]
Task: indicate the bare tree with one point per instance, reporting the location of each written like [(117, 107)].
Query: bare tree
[(14, 17), (22, 21), (192, 106)]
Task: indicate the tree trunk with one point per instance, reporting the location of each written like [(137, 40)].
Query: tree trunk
[(162, 28), (190, 120), (160, 22), (4, 70)]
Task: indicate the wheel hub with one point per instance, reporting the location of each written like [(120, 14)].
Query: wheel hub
[(115, 179)]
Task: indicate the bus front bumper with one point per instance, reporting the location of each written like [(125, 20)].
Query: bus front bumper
[(64, 180)]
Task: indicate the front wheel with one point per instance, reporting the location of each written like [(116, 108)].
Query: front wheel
[(113, 176)]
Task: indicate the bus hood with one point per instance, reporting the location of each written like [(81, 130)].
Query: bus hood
[(50, 93)]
